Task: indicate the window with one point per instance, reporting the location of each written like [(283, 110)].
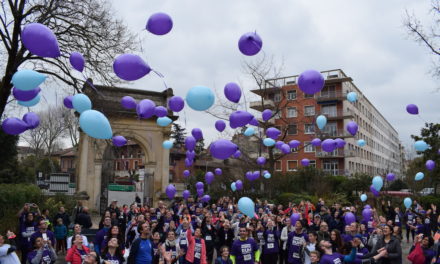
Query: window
[(291, 112), (309, 128), (136, 164), (294, 150), (292, 165), (329, 110), (291, 95), (309, 95), (309, 147), (277, 97), (278, 165), (309, 110), (330, 166), (312, 163), (292, 130), (328, 91), (331, 129), (117, 165), (126, 167)]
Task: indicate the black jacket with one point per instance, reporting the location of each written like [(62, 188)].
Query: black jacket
[(84, 220), (393, 248), (221, 237)]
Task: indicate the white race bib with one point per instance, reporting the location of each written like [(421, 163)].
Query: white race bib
[(197, 255), (247, 257), (208, 238), (183, 242), (270, 245)]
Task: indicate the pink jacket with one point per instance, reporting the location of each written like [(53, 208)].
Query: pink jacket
[(191, 247), (73, 255)]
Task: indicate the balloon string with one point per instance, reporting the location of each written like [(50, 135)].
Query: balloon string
[(162, 77), (422, 118), (91, 84)]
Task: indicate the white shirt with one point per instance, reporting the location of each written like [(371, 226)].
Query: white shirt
[(69, 241), (6, 258)]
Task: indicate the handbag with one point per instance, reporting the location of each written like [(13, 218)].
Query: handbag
[(416, 256)]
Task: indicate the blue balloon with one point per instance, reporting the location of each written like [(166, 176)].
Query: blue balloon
[(321, 121), (250, 131), (421, 145), (167, 144), (352, 97), (163, 121), (361, 142), (95, 124), (377, 183), (363, 197), (30, 103), (267, 175), (27, 79), (419, 176), (407, 202), (246, 206), (233, 187), (81, 103), (200, 98), (268, 142)]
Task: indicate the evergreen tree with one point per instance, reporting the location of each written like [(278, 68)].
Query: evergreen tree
[(178, 133)]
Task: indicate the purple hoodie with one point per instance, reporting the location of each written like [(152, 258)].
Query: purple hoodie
[(295, 244)]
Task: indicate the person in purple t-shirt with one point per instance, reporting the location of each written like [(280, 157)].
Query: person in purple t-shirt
[(330, 257), (295, 243), (271, 246), (44, 253), (245, 250)]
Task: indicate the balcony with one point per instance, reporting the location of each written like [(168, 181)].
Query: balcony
[(330, 96), (339, 153), (340, 114), (337, 133), (337, 172), (267, 104)]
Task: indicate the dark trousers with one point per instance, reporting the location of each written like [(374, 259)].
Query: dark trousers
[(283, 256), (408, 230), (271, 258)]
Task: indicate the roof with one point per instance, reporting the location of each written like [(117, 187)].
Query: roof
[(63, 152), (24, 149)]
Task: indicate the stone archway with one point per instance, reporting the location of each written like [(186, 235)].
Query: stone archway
[(93, 153)]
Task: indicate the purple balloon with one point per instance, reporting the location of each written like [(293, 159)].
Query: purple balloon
[(77, 61), (232, 92), (305, 162), (367, 206), (261, 161), (222, 149), (349, 218), (190, 143), (391, 176), (14, 126), (128, 102), (159, 24), (188, 162), (430, 165), (197, 133), (412, 109), (40, 40), (328, 145), (176, 103), (145, 108), (190, 154), (218, 171), (352, 128), (240, 118), (186, 173), (186, 194), (237, 154), (294, 218), (119, 141), (367, 213), (340, 143), (248, 176), (311, 82), (255, 175), (273, 133), (170, 191), (130, 67), (254, 122), (199, 185), (220, 125), (32, 120), (294, 143), (285, 148), (209, 177), (374, 191), (22, 95), (266, 115), (200, 192), (239, 185), (160, 111), (206, 198), (316, 142), (250, 43), (278, 144)]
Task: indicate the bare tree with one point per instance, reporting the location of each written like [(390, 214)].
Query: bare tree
[(88, 27), (35, 139), (51, 123), (71, 123)]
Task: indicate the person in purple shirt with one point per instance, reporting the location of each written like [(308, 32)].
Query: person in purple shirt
[(112, 253), (44, 253), (245, 250), (43, 233), (361, 249), (330, 257), (101, 235), (27, 229), (295, 243), (271, 245), (409, 220)]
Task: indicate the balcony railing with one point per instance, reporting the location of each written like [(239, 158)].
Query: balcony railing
[(339, 153), (330, 95), (289, 80), (339, 114), (267, 104), (337, 172)]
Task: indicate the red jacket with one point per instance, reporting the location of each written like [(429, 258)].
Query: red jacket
[(191, 247), (73, 256)]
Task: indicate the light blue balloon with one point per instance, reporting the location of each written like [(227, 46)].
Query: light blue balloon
[(27, 79), (419, 176), (163, 121), (200, 98), (407, 202), (30, 103), (268, 142), (233, 187), (363, 197), (246, 206), (167, 144), (95, 124), (81, 103), (267, 175), (377, 183), (352, 97), (421, 145), (250, 131), (361, 142), (321, 121)]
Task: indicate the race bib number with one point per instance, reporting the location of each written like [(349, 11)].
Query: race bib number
[(270, 245), (295, 255), (183, 242), (197, 255), (247, 257), (208, 238)]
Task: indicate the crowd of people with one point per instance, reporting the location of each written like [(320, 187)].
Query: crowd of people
[(193, 232)]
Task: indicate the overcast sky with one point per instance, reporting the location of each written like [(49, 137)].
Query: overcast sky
[(365, 38)]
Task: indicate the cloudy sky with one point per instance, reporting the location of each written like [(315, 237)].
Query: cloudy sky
[(364, 38)]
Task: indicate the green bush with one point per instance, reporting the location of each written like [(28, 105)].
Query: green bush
[(426, 201)]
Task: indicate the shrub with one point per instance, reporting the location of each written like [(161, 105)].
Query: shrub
[(426, 201)]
